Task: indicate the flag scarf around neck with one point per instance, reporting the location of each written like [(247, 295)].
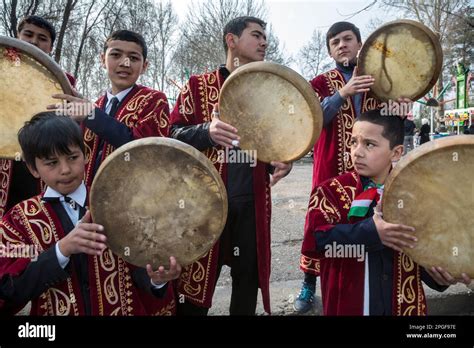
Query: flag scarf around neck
[(361, 204)]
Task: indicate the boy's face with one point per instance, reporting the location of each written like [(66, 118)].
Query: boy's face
[(343, 47), (36, 36), (371, 153), (251, 45), (63, 173), (124, 63)]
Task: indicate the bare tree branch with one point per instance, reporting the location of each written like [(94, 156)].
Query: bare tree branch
[(67, 13), (366, 8), (13, 18), (86, 31), (201, 45), (313, 58)]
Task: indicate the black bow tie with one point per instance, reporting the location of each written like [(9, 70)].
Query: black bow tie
[(67, 199)]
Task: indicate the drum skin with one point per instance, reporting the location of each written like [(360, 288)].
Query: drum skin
[(431, 189), (275, 110), (28, 79), (404, 57), (156, 198)]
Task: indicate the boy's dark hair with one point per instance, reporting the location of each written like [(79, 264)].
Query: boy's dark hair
[(339, 27), (237, 25), (393, 126), (127, 35), (39, 22), (47, 134)]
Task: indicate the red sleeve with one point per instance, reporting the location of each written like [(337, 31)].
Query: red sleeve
[(323, 214), (154, 120), (317, 84), (11, 233), (72, 79), (184, 112)]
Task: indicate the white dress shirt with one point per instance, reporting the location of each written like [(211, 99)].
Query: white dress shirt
[(120, 96), (72, 209)]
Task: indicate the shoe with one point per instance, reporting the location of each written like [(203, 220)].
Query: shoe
[(304, 301)]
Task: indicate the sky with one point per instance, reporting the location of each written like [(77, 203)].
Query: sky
[(294, 21)]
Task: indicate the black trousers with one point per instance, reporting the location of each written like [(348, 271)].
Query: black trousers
[(238, 247)]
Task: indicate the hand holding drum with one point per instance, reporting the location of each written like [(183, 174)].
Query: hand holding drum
[(222, 133)]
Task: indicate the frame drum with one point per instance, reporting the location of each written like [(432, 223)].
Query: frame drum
[(404, 57), (431, 189), (29, 78), (156, 198), (275, 110)]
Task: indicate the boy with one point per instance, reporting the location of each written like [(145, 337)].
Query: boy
[(245, 241), (40, 33), (344, 95), (373, 282), (73, 273), (127, 111), (20, 183)]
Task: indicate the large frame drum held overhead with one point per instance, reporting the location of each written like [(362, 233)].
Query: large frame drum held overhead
[(275, 110), (29, 77), (404, 57), (156, 198)]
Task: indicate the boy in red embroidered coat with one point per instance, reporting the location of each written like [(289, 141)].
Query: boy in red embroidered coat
[(68, 269), (363, 269), (344, 95), (127, 111), (245, 242)]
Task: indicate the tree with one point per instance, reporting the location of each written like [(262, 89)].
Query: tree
[(274, 52), (201, 45), (313, 57), (462, 39), (68, 8), (13, 10), (84, 25), (57, 12), (88, 25), (164, 43)]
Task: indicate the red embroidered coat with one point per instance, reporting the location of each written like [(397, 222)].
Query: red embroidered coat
[(197, 283), (112, 292), (144, 110), (332, 150), (342, 279)]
